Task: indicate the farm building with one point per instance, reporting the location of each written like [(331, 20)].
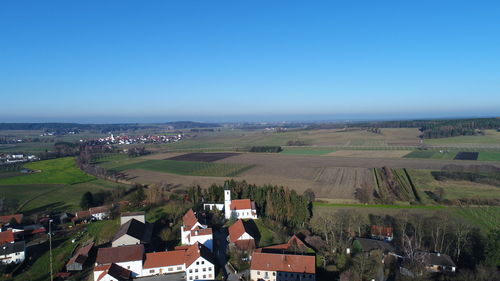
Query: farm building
[(437, 262), (273, 267), (7, 236), (294, 246), (125, 217), (196, 261), (382, 233), (99, 213), (133, 232), (7, 219), (239, 235), (78, 260), (112, 272), (127, 257), (12, 252)]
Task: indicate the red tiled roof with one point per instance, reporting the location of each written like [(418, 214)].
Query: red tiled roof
[(114, 270), (82, 214), (201, 231), (293, 242), (120, 254), (183, 247), (284, 263), (236, 230), (97, 210), (195, 251), (161, 259), (7, 218), (381, 230), (245, 245), (81, 255), (241, 204), (7, 236), (189, 219)]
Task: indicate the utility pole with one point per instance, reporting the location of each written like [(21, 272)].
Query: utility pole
[(50, 249)]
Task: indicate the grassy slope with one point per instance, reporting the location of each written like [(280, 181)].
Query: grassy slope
[(188, 168), (55, 171)]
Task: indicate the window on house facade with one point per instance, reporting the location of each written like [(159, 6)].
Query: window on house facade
[(196, 270), (197, 263), (152, 271), (258, 272), (190, 271), (179, 268), (204, 276), (202, 262)]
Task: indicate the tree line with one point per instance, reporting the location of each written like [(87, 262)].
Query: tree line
[(275, 202)]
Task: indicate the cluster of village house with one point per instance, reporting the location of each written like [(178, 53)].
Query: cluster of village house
[(16, 158), (124, 139), (14, 236), (130, 255)]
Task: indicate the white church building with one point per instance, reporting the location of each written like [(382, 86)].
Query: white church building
[(237, 209)]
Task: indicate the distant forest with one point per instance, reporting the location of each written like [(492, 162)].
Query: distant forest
[(430, 128)]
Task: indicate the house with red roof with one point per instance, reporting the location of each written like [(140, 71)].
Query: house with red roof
[(192, 231), (294, 246), (17, 218), (112, 272), (274, 266), (195, 260), (7, 237), (382, 233), (126, 262), (128, 257), (239, 235)]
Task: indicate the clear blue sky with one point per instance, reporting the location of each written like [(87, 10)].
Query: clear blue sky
[(107, 61)]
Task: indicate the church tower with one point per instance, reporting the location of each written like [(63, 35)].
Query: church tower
[(227, 203)]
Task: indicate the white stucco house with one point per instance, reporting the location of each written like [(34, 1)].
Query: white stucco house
[(192, 231)]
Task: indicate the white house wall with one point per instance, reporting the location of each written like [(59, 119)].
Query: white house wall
[(163, 270), (201, 269)]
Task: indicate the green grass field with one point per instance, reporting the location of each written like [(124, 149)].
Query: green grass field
[(489, 156), (306, 151), (55, 171), (188, 168), (40, 197), (486, 218)]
